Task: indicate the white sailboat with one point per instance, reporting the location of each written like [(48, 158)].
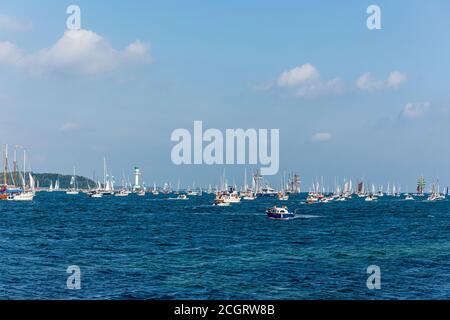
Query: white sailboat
[(73, 189), (29, 191), (56, 188)]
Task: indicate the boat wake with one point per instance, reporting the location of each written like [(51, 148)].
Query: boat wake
[(305, 216)]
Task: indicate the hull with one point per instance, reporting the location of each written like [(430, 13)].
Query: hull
[(266, 195), (281, 216), (23, 197)]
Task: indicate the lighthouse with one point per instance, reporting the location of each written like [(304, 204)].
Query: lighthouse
[(137, 178)]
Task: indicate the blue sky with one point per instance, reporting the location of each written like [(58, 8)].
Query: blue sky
[(221, 62)]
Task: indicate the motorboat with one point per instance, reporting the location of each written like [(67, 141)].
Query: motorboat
[(279, 213)]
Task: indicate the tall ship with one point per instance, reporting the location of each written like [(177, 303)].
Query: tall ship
[(262, 187), (421, 187), (293, 183)]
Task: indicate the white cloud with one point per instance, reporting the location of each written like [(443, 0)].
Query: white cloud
[(298, 75), (367, 83), (321, 136), (13, 24), (396, 79), (70, 127), (305, 81), (77, 52), (319, 88), (415, 110)]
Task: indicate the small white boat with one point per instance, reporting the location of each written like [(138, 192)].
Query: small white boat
[(283, 196), (248, 195), (25, 196), (182, 197), (409, 197), (370, 198), (141, 193), (193, 193), (221, 203), (72, 192), (95, 194), (121, 193), (311, 199)]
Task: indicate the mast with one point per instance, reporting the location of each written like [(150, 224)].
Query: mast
[(5, 171), (5, 168), (24, 168), (104, 171), (15, 167)]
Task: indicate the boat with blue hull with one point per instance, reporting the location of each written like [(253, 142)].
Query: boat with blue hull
[(278, 213)]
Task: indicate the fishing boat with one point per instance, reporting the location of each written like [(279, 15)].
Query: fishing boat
[(182, 197), (278, 213)]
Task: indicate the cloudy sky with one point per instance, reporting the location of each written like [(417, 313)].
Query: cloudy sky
[(349, 102)]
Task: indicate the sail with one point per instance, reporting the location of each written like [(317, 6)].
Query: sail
[(32, 184)]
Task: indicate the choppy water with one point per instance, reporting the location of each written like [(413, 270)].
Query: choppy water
[(155, 248)]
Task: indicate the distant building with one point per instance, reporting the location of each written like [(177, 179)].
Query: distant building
[(137, 179)]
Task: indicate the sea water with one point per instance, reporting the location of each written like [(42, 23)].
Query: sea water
[(154, 247)]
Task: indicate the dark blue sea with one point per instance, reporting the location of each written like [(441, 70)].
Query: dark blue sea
[(157, 248)]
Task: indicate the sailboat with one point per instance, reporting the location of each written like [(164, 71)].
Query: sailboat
[(56, 188), (141, 192), (29, 191), (73, 189), (155, 191), (247, 193), (108, 181), (97, 192)]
